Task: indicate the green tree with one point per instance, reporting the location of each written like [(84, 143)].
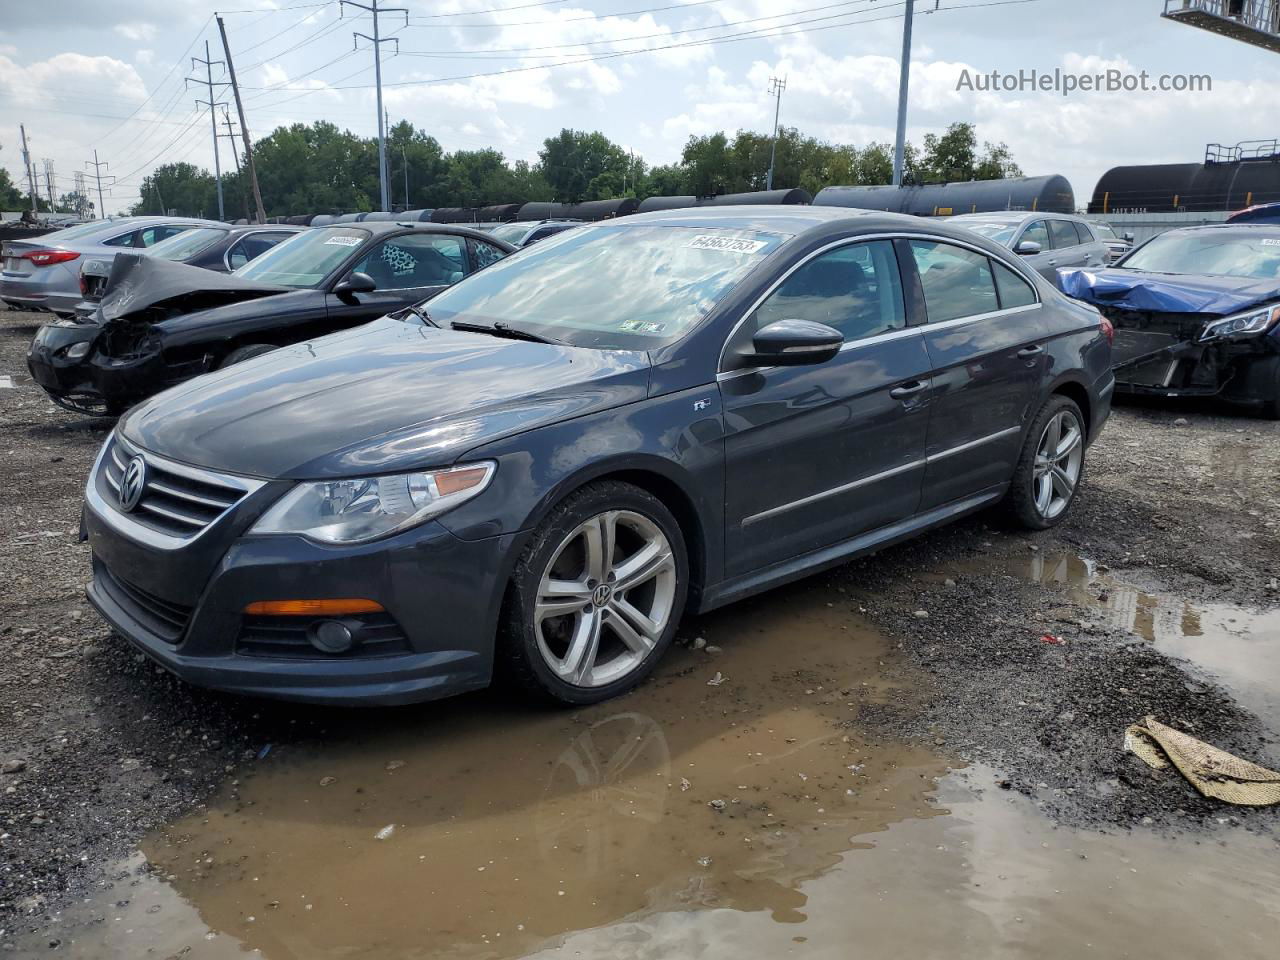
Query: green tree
[(584, 166), (11, 198), (183, 187)]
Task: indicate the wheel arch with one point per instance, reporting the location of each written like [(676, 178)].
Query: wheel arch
[(1077, 392)]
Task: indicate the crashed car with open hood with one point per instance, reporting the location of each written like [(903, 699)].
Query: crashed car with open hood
[(160, 323), (1196, 312)]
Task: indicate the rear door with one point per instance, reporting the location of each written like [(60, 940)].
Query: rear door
[(1094, 248), (1068, 248), (407, 268), (985, 338), (818, 454)]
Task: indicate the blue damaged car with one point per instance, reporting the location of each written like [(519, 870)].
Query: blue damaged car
[(1196, 312)]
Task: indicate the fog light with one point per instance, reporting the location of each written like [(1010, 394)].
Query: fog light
[(77, 350), (331, 636)]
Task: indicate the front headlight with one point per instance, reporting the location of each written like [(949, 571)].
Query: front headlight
[(1242, 324), (77, 350), (353, 511)]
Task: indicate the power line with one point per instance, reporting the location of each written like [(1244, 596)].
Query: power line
[(378, 40), (212, 104)]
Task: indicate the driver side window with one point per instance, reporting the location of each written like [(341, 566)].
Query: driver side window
[(1037, 233), (415, 260), (855, 288)]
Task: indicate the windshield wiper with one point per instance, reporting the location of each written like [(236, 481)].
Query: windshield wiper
[(500, 329), (417, 312)]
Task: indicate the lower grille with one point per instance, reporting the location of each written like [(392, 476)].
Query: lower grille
[(286, 638), (161, 617)]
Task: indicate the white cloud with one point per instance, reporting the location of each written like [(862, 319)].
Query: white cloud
[(138, 32)]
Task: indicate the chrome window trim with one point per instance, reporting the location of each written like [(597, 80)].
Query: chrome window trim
[(865, 238), (126, 526), (876, 477)]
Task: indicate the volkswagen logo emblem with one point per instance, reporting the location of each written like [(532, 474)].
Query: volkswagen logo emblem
[(133, 483), (600, 596)]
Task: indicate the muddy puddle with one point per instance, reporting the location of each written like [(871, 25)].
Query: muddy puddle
[(748, 818), (1235, 645)]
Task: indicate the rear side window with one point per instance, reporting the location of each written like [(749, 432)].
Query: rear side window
[(1014, 291), (957, 282), (1063, 233), (150, 236), (855, 289), (253, 245), (483, 254), (124, 240)]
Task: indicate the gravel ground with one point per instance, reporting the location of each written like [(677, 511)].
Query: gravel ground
[(99, 746)]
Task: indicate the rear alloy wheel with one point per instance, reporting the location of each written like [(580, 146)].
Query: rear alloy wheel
[(598, 597), (1051, 465)]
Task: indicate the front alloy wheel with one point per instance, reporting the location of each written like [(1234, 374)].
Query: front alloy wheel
[(597, 597)]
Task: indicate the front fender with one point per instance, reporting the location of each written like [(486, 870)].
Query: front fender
[(664, 438)]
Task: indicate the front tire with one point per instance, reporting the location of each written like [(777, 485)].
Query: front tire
[(1050, 467), (596, 597), (245, 353)]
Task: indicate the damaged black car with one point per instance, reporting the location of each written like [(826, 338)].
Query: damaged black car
[(160, 323), (1197, 314)]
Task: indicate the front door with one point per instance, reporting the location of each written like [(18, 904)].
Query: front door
[(985, 338), (818, 454), (408, 268)]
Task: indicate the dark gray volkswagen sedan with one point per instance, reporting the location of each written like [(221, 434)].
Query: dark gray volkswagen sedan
[(537, 472)]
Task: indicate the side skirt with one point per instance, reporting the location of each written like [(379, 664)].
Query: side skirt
[(739, 588)]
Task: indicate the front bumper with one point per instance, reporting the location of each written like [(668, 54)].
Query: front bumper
[(96, 384), (444, 593)]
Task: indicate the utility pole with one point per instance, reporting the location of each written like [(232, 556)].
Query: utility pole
[(378, 40), (26, 165), (900, 147), (244, 127), (213, 117), (97, 175), (404, 158), (776, 87)]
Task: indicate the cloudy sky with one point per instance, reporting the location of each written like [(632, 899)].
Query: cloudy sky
[(82, 74)]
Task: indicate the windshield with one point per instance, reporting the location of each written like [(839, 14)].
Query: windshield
[(306, 259), (1103, 230), (186, 244), (511, 232), (1214, 252), (994, 230), (613, 287)]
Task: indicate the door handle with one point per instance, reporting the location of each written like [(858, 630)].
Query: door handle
[(1026, 353), (908, 389)]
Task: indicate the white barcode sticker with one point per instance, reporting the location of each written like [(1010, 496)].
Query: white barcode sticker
[(345, 241), (729, 244), (1271, 243)]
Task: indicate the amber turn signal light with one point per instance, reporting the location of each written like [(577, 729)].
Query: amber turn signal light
[(312, 608)]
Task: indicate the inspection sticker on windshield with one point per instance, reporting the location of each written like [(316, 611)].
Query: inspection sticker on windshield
[(1271, 243), (344, 241), (731, 244)]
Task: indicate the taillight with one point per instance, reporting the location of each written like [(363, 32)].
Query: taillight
[(1108, 330), (47, 258)]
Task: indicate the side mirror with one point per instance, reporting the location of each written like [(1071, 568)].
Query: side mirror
[(1027, 248), (794, 343), (355, 283), (1129, 237)]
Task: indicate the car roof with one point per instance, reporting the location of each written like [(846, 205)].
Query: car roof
[(781, 218), (379, 227), (1016, 216)]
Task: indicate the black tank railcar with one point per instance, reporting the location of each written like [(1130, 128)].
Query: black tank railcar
[(1051, 194), (1187, 187), (793, 196)]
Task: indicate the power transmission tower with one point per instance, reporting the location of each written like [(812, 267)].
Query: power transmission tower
[(900, 145), (49, 177), (235, 155), (82, 193), (31, 176), (776, 87), (97, 175), (213, 117), (244, 127), (378, 40)]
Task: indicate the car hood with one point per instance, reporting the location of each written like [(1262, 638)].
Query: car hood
[(381, 398), (145, 288), (1167, 292)]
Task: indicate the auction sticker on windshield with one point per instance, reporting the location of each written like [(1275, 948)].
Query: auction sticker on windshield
[(731, 244), (345, 241)]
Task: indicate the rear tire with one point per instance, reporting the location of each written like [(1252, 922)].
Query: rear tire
[(596, 596), (1051, 466), (245, 353)]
